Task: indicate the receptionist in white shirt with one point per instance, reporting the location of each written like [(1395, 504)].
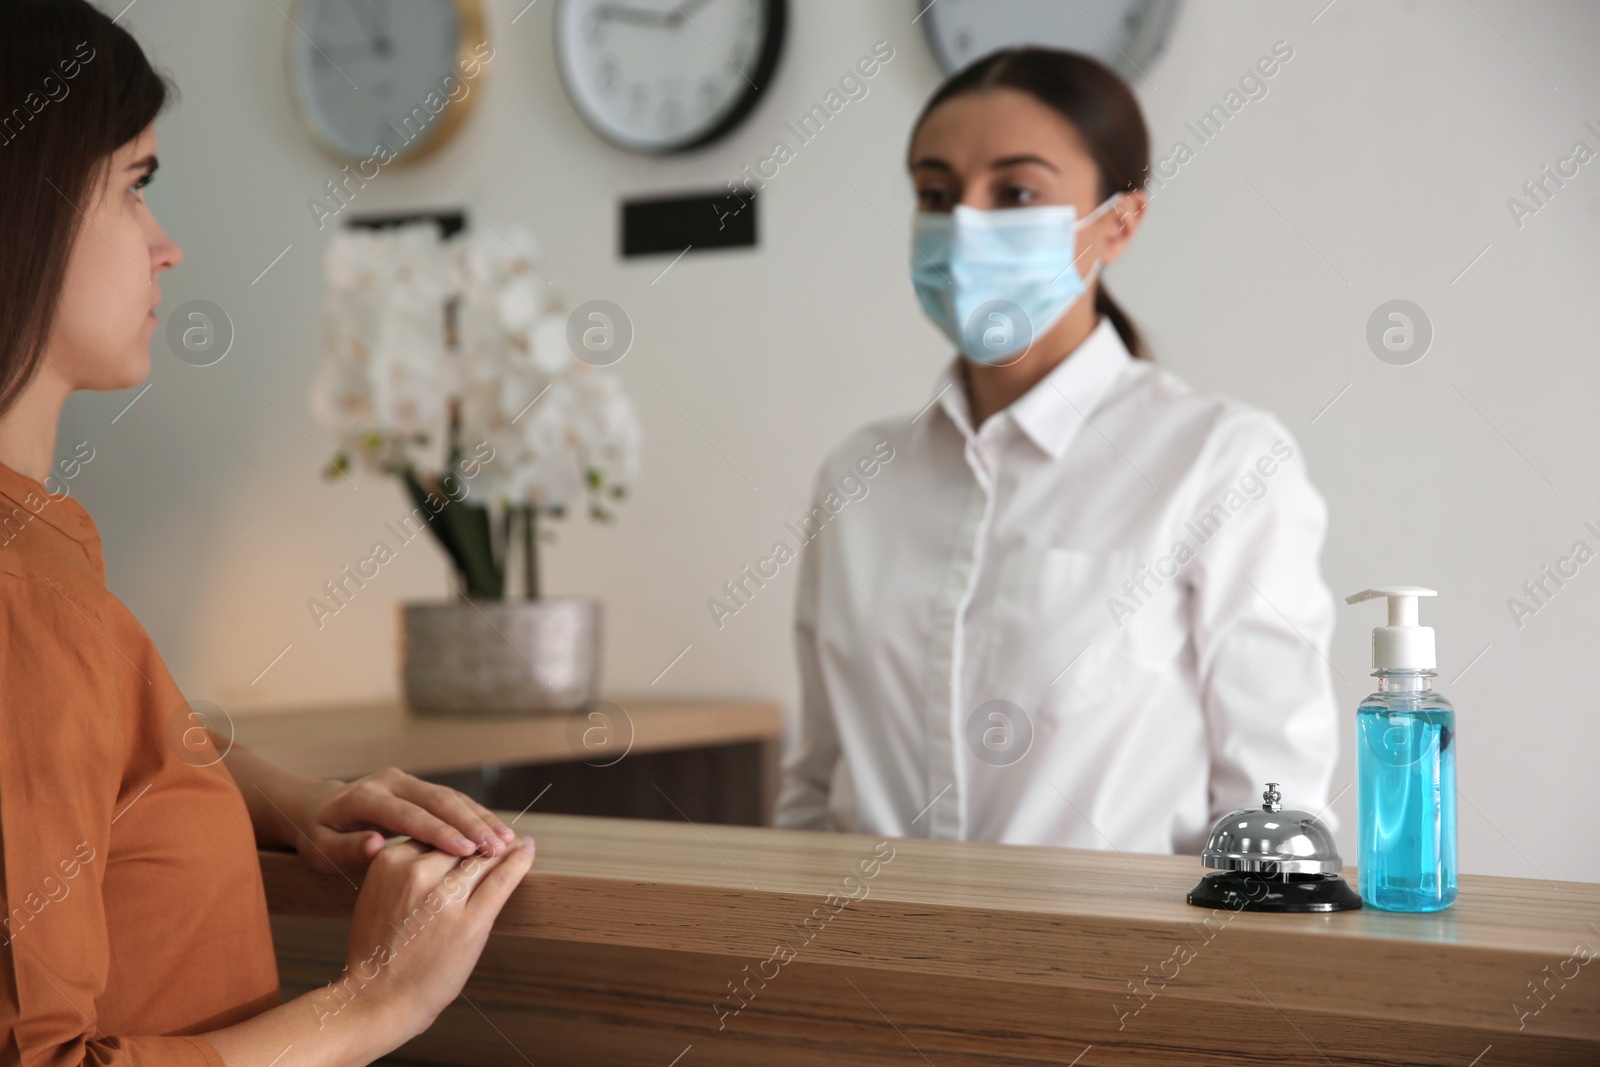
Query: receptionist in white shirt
[(1079, 603)]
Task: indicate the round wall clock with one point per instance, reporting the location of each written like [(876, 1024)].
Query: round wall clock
[(1124, 34), (666, 76), (402, 73)]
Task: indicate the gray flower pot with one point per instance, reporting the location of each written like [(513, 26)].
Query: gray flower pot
[(500, 656)]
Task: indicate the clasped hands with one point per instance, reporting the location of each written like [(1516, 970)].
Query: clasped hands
[(334, 824)]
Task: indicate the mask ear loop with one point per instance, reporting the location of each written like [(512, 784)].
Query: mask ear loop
[(1105, 205), (1094, 272)]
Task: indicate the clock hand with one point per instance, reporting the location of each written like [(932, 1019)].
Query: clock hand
[(364, 14), (635, 15), (682, 11), (346, 51), (381, 21)]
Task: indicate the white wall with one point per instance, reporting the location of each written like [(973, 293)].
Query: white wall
[(1387, 148)]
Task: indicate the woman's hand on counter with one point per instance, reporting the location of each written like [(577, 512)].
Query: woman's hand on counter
[(340, 824), (420, 923), (335, 824)]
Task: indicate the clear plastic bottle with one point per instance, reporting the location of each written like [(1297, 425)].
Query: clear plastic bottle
[(1406, 773)]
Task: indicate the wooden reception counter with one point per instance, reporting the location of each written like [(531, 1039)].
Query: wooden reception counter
[(636, 942)]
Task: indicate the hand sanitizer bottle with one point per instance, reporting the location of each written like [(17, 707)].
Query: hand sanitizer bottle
[(1405, 767)]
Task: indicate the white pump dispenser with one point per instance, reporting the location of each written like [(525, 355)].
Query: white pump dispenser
[(1401, 645)]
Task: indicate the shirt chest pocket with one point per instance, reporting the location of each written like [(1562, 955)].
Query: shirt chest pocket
[(1050, 607), (1057, 603), (1058, 582)]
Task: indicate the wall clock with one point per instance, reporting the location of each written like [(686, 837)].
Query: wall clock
[(663, 76), (1124, 34), (403, 73)]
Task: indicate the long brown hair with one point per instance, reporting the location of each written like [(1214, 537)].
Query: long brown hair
[(1098, 103), (75, 87)]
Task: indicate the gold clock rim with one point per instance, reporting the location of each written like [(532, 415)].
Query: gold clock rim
[(471, 27)]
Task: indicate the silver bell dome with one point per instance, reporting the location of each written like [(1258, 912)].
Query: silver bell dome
[(1271, 839)]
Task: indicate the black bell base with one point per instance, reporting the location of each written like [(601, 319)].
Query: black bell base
[(1254, 891)]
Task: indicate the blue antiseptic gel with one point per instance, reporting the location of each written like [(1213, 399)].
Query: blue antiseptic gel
[(1405, 767)]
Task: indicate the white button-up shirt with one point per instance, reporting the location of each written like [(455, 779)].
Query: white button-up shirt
[(1095, 621)]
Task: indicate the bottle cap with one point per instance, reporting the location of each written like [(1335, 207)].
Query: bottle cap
[(1401, 645)]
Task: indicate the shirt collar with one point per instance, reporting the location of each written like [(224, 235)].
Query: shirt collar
[(1052, 412), (63, 513)]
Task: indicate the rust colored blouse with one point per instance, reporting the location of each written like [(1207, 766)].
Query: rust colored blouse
[(133, 906)]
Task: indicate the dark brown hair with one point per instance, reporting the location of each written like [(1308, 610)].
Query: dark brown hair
[(1098, 103), (74, 87)]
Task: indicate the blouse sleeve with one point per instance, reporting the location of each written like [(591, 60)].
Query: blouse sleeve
[(1263, 623), (809, 763), (61, 756)]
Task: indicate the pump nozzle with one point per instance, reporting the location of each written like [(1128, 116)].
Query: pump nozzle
[(1401, 645)]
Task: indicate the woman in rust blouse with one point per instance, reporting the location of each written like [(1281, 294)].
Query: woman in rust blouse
[(133, 925)]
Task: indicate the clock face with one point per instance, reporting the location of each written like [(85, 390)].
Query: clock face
[(1124, 34), (362, 71), (667, 75)]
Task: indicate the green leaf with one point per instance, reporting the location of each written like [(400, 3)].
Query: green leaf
[(337, 466), (462, 530)]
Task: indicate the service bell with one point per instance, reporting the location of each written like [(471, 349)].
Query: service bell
[(1272, 859)]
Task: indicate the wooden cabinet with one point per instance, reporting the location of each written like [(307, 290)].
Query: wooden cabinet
[(699, 760)]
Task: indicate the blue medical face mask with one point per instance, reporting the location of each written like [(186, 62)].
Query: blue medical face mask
[(995, 280)]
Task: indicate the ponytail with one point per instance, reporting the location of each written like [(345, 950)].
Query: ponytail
[(1132, 339)]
